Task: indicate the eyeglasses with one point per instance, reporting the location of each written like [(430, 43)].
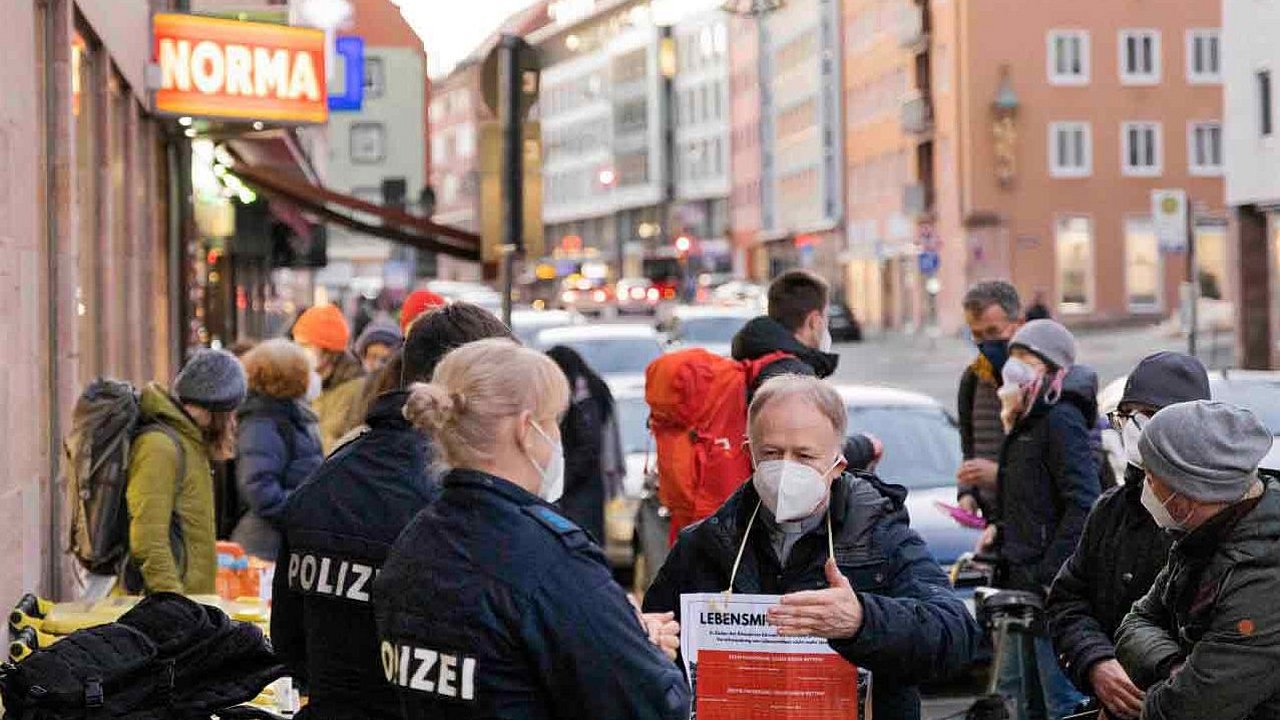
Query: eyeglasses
[(1118, 419)]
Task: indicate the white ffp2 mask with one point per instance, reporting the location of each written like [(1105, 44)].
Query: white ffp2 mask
[(552, 488), (790, 490), (1129, 436), (1159, 510)]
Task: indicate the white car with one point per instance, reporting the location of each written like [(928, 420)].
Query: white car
[(632, 414), (526, 323), (618, 353), (710, 328), (471, 292)]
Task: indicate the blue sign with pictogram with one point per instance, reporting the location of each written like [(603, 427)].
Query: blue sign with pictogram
[(929, 261)]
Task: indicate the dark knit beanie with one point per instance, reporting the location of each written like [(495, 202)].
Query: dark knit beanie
[(213, 380)]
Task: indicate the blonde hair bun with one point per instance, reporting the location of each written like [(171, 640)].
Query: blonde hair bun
[(430, 407)]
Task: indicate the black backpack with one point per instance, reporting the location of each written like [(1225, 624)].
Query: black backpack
[(168, 657), (106, 420)]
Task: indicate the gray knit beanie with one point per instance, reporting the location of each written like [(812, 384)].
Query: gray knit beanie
[(211, 379), (1208, 451), (1048, 339), (382, 332)]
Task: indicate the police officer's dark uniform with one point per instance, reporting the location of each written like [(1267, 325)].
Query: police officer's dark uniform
[(492, 605), (338, 528)]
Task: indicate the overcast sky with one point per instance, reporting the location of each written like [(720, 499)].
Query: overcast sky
[(451, 29)]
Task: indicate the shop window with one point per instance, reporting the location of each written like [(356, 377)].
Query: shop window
[(1211, 259), (1139, 57), (86, 107), (368, 143), (1142, 268), (1073, 238)]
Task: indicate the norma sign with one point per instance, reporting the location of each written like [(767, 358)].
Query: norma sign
[(217, 68), (1169, 216)]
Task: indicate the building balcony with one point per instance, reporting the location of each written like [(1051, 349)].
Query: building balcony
[(917, 200), (917, 115), (911, 31)]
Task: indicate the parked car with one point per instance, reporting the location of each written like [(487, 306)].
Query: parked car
[(526, 323), (711, 328), (743, 294), (637, 296), (844, 326), (592, 297), (621, 543), (619, 353)]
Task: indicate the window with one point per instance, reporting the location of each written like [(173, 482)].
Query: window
[(1141, 148), (1068, 59), (1140, 57), (368, 143), (466, 140), (438, 149), (1264, 102), (1142, 270), (1070, 149), (1211, 258), (1204, 56), (1205, 148), (1073, 238), (375, 78)]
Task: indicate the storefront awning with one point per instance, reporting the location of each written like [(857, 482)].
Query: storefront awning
[(387, 223)]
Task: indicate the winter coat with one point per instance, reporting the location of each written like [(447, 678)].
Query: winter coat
[(1213, 611), (1047, 482), (978, 411), (340, 524), (279, 448), (170, 500), (342, 390), (582, 436), (763, 336), (1120, 553), (914, 626)]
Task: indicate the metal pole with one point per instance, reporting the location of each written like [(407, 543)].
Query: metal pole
[(513, 172), (1193, 280)]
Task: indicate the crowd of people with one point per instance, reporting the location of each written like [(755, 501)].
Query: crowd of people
[(433, 495)]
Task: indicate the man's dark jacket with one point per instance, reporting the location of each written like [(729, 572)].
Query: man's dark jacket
[(914, 626), (1213, 611), (1120, 553), (1048, 481), (338, 528)]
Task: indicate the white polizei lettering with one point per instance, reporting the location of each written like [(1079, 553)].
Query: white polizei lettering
[(293, 569), (357, 591), (468, 678), (208, 67), (303, 82), (307, 574), (448, 675), (406, 654), (389, 661), (175, 62), (322, 581), (270, 72), (239, 70), (427, 658), (342, 578)]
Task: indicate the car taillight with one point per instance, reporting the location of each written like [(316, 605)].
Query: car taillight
[(668, 292)]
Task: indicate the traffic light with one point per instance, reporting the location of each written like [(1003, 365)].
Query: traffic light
[(683, 245)]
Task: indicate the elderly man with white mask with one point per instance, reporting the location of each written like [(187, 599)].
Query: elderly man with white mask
[(836, 545)]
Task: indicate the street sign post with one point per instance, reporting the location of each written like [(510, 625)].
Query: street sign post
[(929, 261), (1169, 217)]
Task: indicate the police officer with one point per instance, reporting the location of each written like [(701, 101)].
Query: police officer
[(340, 524), (491, 604)]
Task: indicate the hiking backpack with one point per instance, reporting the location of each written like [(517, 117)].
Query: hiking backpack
[(106, 419), (698, 417)]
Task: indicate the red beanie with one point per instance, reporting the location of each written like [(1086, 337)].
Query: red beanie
[(418, 302), (324, 327)]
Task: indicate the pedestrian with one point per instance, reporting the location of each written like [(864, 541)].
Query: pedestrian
[(994, 313), (493, 604), (169, 495), (582, 430), (1203, 642), (1046, 483), (418, 302), (278, 442), (1039, 310), (377, 343), (323, 331), (803, 523), (1121, 549), (797, 324), (339, 526)]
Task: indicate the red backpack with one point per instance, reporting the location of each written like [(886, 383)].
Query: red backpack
[(698, 417)]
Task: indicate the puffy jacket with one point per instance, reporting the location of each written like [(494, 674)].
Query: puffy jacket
[(170, 499), (342, 391), (338, 527), (1213, 610), (279, 447), (1047, 482), (763, 336), (1120, 553), (493, 605), (914, 626)]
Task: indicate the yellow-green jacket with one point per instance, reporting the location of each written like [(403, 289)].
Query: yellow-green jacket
[(184, 561), (342, 391)]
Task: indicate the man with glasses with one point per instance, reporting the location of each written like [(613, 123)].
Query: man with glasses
[(1122, 549)]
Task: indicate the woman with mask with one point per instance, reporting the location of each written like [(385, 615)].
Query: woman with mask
[(323, 332), (1047, 482), (492, 603), (838, 548)]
